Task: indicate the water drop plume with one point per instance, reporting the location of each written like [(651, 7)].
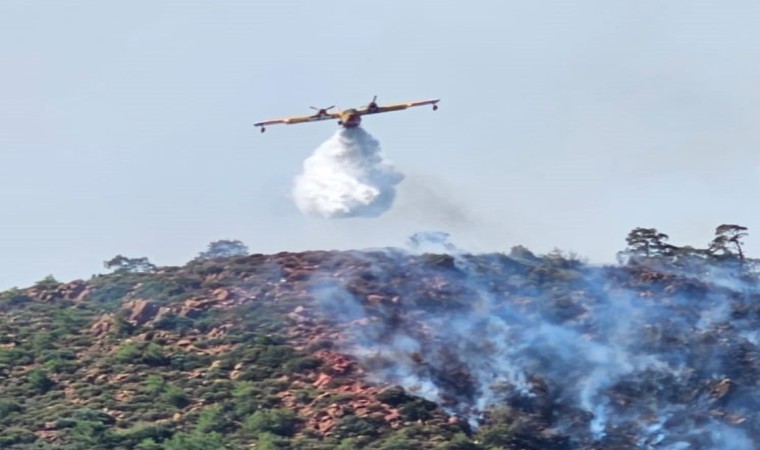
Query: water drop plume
[(347, 176)]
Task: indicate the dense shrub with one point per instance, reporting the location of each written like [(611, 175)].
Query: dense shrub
[(15, 357), (195, 441), (142, 432), (173, 322), (460, 442), (49, 282), (302, 364), (39, 381), (153, 355), (213, 420), (394, 396), (16, 435), (281, 422), (112, 293), (418, 409), (90, 415), (398, 441), (129, 353), (349, 426), (12, 298), (8, 407), (175, 396)]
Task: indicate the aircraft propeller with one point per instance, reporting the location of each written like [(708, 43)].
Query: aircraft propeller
[(373, 103)]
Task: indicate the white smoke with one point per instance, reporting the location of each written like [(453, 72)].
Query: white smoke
[(594, 352), (347, 176)]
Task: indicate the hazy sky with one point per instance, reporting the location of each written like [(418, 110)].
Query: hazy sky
[(126, 127)]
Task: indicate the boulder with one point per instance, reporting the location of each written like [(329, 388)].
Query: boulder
[(140, 312)]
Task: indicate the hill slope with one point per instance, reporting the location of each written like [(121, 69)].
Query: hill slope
[(385, 350)]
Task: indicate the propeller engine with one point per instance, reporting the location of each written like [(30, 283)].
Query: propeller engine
[(373, 104), (322, 111)]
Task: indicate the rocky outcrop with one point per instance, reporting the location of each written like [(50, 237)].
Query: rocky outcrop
[(139, 312), (103, 325), (697, 348), (76, 290)]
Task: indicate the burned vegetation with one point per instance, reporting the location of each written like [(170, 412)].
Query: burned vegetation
[(387, 349)]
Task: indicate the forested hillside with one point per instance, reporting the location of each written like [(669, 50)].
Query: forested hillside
[(391, 349)]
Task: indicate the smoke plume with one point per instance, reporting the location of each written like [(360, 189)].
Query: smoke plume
[(609, 357), (346, 176)]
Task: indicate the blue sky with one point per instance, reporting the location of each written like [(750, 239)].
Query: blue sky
[(127, 128)]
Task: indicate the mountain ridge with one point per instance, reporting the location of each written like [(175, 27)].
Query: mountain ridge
[(380, 349)]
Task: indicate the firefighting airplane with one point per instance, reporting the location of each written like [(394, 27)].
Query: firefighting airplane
[(349, 118)]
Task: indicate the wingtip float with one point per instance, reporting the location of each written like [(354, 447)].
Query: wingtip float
[(348, 118)]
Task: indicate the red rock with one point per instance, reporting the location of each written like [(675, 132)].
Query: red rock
[(392, 416), (722, 388), (141, 311), (322, 380), (184, 342), (221, 294), (326, 425), (375, 298)]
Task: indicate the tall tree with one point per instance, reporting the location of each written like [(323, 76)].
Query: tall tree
[(122, 263), (728, 236), (648, 242), (224, 248)]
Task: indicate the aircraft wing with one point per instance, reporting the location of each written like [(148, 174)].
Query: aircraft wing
[(269, 122), (294, 120), (398, 107)]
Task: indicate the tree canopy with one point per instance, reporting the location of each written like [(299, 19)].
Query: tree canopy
[(122, 263), (646, 243), (224, 248), (727, 239)]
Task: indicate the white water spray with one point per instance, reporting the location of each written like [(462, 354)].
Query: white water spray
[(347, 176)]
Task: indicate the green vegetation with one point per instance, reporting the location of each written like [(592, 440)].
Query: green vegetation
[(649, 246), (123, 264), (224, 248), (79, 371), (39, 381), (281, 422), (211, 356)]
